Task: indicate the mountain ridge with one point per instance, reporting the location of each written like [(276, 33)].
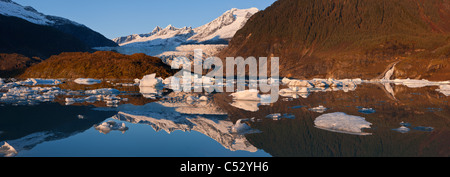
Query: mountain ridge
[(82, 32), (347, 38), (216, 30)]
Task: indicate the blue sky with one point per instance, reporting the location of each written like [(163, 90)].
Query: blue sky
[(114, 18)]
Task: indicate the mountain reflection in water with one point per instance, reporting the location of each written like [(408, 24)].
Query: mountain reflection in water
[(395, 120)]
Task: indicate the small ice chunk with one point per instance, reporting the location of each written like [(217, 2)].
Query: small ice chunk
[(425, 129), (87, 81), (278, 116), (405, 124), (102, 91), (444, 89), (366, 110), (342, 123), (203, 98), (402, 129), (33, 81), (151, 81), (319, 109)]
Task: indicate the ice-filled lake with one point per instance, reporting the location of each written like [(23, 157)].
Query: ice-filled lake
[(48, 118)]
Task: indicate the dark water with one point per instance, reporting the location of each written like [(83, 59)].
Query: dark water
[(162, 123)]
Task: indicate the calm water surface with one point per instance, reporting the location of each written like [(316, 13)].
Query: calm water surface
[(368, 120)]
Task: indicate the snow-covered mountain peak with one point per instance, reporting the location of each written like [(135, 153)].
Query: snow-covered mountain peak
[(220, 30), (11, 8), (170, 27), (225, 26), (157, 29)]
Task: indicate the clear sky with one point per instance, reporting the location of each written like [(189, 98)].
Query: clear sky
[(114, 18)]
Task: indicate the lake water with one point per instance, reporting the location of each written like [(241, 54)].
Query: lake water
[(370, 119)]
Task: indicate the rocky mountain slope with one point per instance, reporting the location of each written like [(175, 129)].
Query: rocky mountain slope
[(88, 36), (100, 65), (350, 38), (32, 40)]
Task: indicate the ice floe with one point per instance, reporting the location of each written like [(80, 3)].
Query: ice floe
[(366, 110), (402, 129), (151, 81), (444, 89), (405, 128), (151, 92), (110, 100), (342, 123), (248, 95), (319, 109), (30, 95), (87, 81), (278, 116), (109, 126), (34, 81), (251, 106)]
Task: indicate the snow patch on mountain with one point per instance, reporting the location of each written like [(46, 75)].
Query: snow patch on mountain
[(222, 28), (10, 8)]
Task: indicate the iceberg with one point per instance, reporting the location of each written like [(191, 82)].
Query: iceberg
[(150, 92), (87, 81), (278, 116), (342, 123), (366, 110), (33, 81), (151, 81), (251, 106), (444, 89), (402, 129), (319, 109), (249, 95)]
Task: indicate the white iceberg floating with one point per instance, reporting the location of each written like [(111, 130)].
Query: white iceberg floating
[(278, 116), (34, 81), (109, 126), (150, 92), (366, 110), (7, 150), (251, 106), (414, 83), (111, 100), (402, 129), (444, 89), (87, 81), (30, 95), (342, 123), (249, 95), (151, 81), (319, 109)]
